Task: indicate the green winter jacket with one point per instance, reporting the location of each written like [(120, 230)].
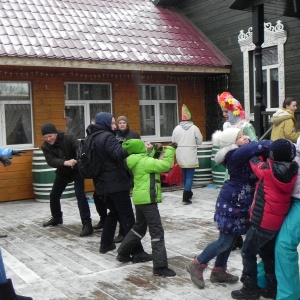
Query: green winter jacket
[(146, 171)]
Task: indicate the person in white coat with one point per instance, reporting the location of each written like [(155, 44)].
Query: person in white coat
[(188, 137)]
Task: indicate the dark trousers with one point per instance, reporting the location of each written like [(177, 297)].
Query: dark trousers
[(56, 192), (100, 206), (120, 208), (262, 242), (147, 215)]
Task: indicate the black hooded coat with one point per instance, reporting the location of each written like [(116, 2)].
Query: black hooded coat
[(114, 175)]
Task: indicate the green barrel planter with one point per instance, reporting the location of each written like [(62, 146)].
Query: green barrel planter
[(203, 174), (43, 177)]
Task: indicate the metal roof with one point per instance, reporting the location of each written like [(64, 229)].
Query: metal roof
[(102, 31)]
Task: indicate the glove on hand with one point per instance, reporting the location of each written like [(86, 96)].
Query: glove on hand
[(18, 152), (158, 146), (5, 160), (174, 145)]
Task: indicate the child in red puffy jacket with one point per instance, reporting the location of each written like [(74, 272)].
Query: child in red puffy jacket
[(272, 199)]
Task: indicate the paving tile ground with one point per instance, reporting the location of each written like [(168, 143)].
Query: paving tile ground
[(55, 263)]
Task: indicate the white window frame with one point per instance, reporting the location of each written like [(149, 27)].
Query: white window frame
[(86, 103), (156, 103), (2, 118), (273, 36)]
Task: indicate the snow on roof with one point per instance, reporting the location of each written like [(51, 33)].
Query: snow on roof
[(123, 31)]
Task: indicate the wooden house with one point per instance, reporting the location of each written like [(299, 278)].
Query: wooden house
[(65, 61), (231, 26)]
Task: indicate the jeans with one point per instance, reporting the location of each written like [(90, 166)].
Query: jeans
[(188, 176), (120, 208), (147, 215), (220, 249), (262, 242), (3, 278), (56, 192)]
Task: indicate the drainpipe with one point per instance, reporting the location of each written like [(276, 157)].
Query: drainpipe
[(258, 39)]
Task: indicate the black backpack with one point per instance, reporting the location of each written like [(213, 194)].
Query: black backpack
[(89, 162)]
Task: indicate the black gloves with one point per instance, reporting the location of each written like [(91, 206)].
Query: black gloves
[(5, 160), (174, 145), (18, 152), (158, 146)]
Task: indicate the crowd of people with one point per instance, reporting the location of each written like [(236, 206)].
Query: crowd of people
[(260, 197)]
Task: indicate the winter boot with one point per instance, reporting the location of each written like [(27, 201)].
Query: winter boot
[(238, 243), (53, 222), (271, 290), (196, 271), (7, 292), (219, 274), (99, 226), (164, 271), (186, 198), (141, 257), (104, 249), (249, 292), (87, 228)]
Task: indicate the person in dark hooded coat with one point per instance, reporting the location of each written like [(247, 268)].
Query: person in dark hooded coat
[(114, 185)]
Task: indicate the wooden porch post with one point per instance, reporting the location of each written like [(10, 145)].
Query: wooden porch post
[(258, 39)]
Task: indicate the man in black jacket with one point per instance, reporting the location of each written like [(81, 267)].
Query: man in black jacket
[(60, 153), (114, 185)]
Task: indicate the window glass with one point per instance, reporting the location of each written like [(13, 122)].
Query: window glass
[(83, 102), (269, 56), (158, 110), (16, 115), (98, 107), (75, 121), (147, 120), (168, 118)]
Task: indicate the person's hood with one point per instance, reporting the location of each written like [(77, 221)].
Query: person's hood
[(186, 124), (134, 146), (281, 115), (103, 122)]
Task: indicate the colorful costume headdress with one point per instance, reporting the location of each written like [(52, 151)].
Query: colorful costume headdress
[(227, 101), (186, 115)]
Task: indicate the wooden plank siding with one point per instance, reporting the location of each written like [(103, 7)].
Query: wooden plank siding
[(48, 105), (222, 25)]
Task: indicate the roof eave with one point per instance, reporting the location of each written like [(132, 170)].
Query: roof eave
[(75, 64)]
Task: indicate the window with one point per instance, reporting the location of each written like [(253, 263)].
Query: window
[(83, 102), (158, 111), (16, 115), (272, 66)]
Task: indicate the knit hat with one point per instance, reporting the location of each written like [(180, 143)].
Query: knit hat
[(227, 101), (134, 146), (282, 150), (48, 128), (226, 137), (186, 115), (122, 118)]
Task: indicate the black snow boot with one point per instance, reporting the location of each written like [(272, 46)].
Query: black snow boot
[(87, 228), (249, 292), (186, 198), (7, 292), (271, 290)]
